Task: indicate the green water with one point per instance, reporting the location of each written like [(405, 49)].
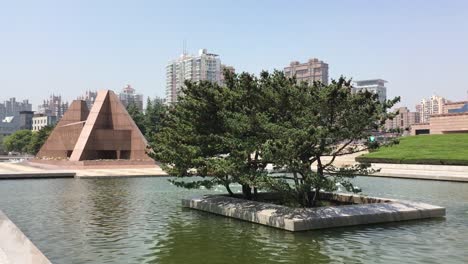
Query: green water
[(140, 220)]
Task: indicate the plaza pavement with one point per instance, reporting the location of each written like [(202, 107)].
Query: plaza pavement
[(410, 171), (23, 170)]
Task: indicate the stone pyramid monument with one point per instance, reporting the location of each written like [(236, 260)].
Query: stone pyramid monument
[(106, 135)]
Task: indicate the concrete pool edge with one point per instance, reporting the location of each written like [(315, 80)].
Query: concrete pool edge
[(303, 219), (15, 246)]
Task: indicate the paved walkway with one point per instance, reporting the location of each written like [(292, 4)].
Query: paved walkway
[(427, 172), (411, 171)]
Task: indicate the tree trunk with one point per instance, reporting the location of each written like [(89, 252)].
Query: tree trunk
[(228, 189), (318, 187), (247, 191), (296, 180), (315, 198)]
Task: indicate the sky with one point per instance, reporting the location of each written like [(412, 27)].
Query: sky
[(67, 47)]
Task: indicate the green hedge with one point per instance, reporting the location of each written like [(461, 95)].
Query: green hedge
[(412, 161)]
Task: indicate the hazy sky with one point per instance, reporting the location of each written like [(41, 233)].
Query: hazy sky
[(67, 47)]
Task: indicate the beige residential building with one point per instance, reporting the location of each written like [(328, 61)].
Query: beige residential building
[(404, 120), (310, 71), (128, 96)]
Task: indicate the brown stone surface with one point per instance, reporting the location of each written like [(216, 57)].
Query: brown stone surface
[(105, 135), (62, 140)]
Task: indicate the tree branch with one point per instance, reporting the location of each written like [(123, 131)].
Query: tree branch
[(337, 152)]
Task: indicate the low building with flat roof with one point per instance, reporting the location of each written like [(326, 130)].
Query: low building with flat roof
[(40, 121), (449, 123)]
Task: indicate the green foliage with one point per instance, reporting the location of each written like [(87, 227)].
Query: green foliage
[(149, 121), (450, 149), (38, 139), (137, 116), (155, 111), (229, 134), (18, 141), (27, 141)]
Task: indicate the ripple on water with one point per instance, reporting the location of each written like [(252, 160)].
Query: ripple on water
[(141, 221)]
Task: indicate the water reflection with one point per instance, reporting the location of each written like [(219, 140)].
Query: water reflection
[(141, 221), (209, 240)]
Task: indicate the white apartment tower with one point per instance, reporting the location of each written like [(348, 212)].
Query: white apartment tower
[(432, 106), (376, 86), (204, 67)]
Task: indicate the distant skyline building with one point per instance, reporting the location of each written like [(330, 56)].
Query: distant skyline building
[(432, 106), (54, 106), (8, 125), (376, 86), (12, 107), (310, 71), (129, 96), (205, 66), (404, 120), (25, 120), (89, 97)]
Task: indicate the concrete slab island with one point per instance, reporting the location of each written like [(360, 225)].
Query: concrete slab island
[(363, 210)]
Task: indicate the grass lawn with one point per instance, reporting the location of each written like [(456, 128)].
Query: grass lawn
[(451, 149)]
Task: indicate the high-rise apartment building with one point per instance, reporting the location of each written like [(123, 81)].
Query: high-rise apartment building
[(204, 67), (310, 71), (128, 96), (432, 106), (13, 107), (54, 106), (89, 97), (403, 120), (376, 86)]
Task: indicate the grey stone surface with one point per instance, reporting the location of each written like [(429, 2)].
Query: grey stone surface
[(15, 247), (422, 172), (368, 210)]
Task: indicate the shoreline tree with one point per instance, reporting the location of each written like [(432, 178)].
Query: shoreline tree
[(229, 134), (323, 122)]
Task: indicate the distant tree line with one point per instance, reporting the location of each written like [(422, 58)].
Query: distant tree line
[(27, 141)]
